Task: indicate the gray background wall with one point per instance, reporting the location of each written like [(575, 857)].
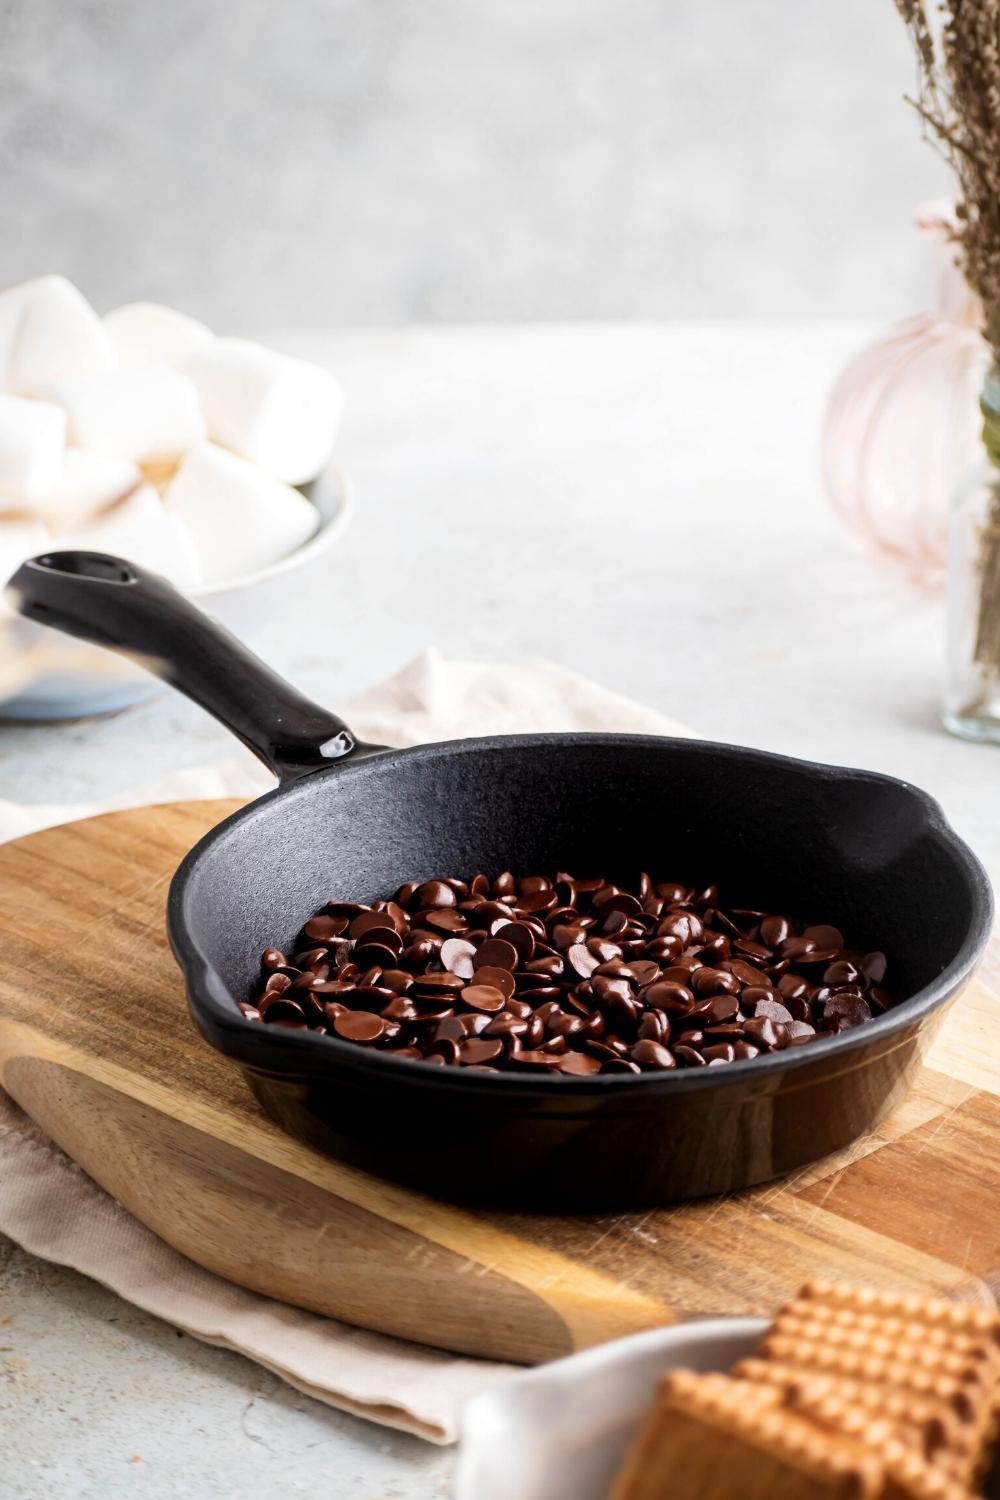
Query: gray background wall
[(270, 163)]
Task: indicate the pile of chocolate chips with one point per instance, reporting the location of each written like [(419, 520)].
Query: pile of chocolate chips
[(568, 976)]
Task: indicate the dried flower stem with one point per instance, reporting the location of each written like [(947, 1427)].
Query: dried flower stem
[(958, 48)]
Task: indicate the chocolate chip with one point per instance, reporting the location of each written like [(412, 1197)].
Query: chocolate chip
[(566, 975), (373, 955), (724, 1007), (446, 921), (399, 1009), (447, 1049), (483, 997), (322, 929), (845, 1010), (725, 1052), (873, 966), (370, 997), (840, 973), (274, 1006), (457, 956), (667, 995), (528, 1058), (761, 1030), (682, 925), (707, 982), (650, 1054), (582, 961), (497, 953), (798, 949), (397, 916), (744, 972), (689, 1057), (490, 914), (448, 1029), (774, 930), (773, 1010), (578, 1064), (792, 986), (432, 893), (752, 950), (549, 964), (505, 1024), (654, 1026), (499, 979), (701, 1014), (620, 901), (477, 1050), (359, 1026), (277, 983), (438, 984), (825, 937), (606, 989), (366, 921), (752, 995)]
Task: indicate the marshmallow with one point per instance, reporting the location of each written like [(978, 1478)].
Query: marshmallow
[(49, 331), (149, 415), (240, 519), (146, 333), (87, 483), (32, 439), (278, 412), (19, 540), (140, 530)]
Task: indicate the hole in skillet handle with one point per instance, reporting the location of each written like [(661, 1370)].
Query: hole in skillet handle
[(97, 565), (123, 607)]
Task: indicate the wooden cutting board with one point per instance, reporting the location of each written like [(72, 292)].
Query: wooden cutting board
[(96, 1045)]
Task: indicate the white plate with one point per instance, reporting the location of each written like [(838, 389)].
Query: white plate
[(560, 1432)]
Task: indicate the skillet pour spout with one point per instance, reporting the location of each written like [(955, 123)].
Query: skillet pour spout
[(351, 821)]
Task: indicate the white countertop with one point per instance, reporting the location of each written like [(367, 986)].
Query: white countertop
[(641, 503)]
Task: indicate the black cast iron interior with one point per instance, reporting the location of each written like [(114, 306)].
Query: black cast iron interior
[(352, 821)]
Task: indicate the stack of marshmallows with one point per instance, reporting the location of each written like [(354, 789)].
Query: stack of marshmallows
[(143, 434)]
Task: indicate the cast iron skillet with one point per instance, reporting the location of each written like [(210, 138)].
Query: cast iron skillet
[(353, 821)]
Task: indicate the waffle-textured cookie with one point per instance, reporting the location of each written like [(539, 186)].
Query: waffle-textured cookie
[(958, 1331), (943, 1353), (930, 1312), (853, 1328), (851, 1394), (907, 1448), (709, 1437), (908, 1477), (906, 1367), (942, 1427)]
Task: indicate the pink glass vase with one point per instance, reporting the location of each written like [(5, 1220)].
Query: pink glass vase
[(902, 425)]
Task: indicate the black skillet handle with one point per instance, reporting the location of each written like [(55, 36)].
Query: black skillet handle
[(122, 606)]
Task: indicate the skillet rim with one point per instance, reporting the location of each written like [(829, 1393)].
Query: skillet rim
[(306, 1055)]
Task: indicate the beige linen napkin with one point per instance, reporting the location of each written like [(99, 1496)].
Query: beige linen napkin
[(53, 1210)]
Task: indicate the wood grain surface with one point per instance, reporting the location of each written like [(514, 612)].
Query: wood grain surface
[(96, 1045)]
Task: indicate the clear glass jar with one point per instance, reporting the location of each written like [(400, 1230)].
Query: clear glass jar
[(972, 689)]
